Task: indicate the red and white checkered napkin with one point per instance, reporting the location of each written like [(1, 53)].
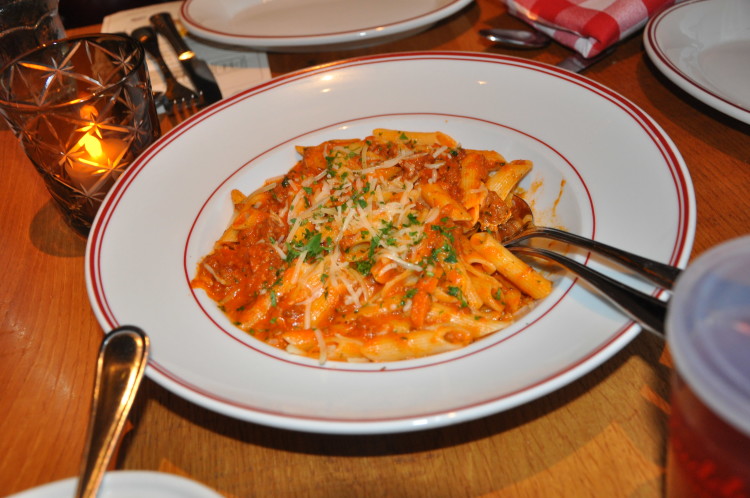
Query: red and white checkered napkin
[(587, 26)]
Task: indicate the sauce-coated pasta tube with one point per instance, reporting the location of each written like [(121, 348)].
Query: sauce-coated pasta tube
[(376, 249), (510, 266)]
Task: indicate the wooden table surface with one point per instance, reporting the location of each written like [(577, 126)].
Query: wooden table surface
[(603, 435)]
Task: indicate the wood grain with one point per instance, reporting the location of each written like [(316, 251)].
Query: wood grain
[(603, 435)]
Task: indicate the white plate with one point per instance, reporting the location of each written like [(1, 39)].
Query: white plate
[(704, 48), (127, 484), (607, 169), (301, 25)]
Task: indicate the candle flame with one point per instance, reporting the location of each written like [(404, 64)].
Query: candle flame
[(93, 146)]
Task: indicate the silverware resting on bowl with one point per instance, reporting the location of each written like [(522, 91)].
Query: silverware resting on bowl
[(647, 310)]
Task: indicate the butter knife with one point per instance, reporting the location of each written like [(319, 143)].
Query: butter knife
[(196, 69)]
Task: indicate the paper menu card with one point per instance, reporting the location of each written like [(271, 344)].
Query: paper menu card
[(235, 69)]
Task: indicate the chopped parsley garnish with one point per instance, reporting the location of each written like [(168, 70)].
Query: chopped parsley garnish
[(458, 294), (364, 266), (412, 220), (312, 245)]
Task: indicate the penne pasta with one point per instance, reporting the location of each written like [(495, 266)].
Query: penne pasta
[(377, 249), (507, 177), (474, 169), (436, 196), (511, 267)]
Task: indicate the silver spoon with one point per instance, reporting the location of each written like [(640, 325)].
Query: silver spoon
[(519, 38), (119, 370), (516, 38), (661, 274)]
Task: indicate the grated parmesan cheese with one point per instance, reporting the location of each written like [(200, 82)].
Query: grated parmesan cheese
[(343, 223)]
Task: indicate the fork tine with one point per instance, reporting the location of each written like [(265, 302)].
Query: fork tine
[(176, 110), (185, 107), (180, 110), (194, 104)]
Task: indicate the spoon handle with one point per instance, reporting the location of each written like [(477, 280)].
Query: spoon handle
[(119, 370), (646, 310), (516, 38), (661, 274)]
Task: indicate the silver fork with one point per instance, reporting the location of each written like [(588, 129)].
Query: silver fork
[(647, 310), (180, 100)]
